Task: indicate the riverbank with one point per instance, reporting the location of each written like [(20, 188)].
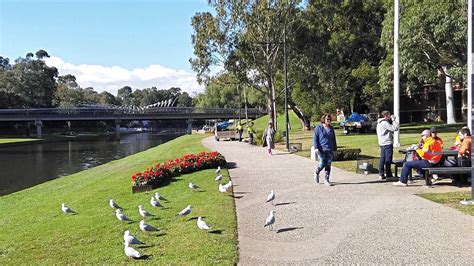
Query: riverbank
[(34, 229)]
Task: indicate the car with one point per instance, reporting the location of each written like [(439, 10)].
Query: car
[(223, 130), (360, 123)]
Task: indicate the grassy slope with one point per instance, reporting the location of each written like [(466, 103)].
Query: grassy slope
[(452, 199), (34, 229), (15, 140), (261, 123)]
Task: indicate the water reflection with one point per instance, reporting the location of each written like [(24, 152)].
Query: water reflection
[(28, 165)]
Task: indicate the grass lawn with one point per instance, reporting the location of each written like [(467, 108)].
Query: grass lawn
[(33, 228), (452, 199), (13, 140)]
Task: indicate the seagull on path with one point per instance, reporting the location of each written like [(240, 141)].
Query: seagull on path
[(228, 185), (185, 211), (192, 186), (66, 209), (122, 217), (218, 178), (222, 188), (114, 205), (218, 170), (159, 197), (144, 213), (155, 203), (130, 239), (131, 252), (271, 197), (202, 224), (147, 228), (270, 220)]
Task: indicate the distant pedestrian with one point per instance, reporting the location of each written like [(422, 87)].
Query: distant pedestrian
[(324, 142), (386, 126), (240, 130), (268, 138), (250, 131)]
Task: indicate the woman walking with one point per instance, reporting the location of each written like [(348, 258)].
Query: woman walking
[(268, 138), (324, 142)]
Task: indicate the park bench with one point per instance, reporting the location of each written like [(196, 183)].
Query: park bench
[(445, 171)]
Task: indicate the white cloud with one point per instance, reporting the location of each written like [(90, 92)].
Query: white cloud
[(112, 78)]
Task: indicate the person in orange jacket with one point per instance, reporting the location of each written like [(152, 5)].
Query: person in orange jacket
[(427, 154), (466, 142)]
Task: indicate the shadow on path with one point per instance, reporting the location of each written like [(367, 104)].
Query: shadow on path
[(282, 230)]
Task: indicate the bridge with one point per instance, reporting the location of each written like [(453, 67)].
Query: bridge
[(38, 115)]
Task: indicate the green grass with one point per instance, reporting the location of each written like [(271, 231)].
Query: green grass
[(451, 199), (33, 228), (13, 140), (261, 123)]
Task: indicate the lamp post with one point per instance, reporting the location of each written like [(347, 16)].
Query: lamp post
[(285, 69), (396, 79)]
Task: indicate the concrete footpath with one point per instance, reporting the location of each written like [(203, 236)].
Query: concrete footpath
[(360, 220)]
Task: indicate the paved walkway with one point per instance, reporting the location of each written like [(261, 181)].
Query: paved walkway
[(359, 220)]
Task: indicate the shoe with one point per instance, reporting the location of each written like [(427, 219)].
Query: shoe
[(399, 184), (316, 178), (381, 177), (411, 182), (327, 183), (435, 177)]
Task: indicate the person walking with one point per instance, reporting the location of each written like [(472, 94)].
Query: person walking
[(240, 130), (268, 138), (324, 142), (386, 125), (250, 131)]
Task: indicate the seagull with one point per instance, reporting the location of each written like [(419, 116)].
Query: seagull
[(222, 188), (202, 224), (218, 178), (159, 197), (114, 205), (131, 252), (185, 211), (128, 238), (270, 220), (144, 213), (155, 203), (66, 209), (271, 197), (192, 186), (218, 169), (121, 216), (228, 185), (147, 228)]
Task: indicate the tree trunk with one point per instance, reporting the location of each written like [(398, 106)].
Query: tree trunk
[(305, 120), (450, 118)]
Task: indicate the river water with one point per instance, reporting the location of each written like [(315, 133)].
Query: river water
[(28, 165)]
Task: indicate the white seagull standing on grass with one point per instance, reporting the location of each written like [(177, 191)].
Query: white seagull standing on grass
[(228, 185), (159, 197), (129, 238), (66, 209), (185, 211), (192, 186), (113, 204), (218, 178), (144, 213), (222, 188), (147, 228), (131, 252), (270, 220), (271, 197), (218, 169), (122, 217), (202, 224), (155, 203)]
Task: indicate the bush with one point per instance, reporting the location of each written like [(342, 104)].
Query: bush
[(346, 154)]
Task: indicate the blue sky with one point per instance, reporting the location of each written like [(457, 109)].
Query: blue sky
[(138, 37)]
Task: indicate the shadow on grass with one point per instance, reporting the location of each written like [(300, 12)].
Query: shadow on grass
[(195, 218), (285, 203), (145, 257), (282, 230), (145, 246), (216, 232)]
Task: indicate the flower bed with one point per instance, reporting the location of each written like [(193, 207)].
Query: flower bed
[(162, 173)]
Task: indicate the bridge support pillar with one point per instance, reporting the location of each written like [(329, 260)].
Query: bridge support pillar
[(39, 126), (117, 129), (190, 126)]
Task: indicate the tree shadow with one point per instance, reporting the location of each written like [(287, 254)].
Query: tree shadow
[(231, 165), (282, 230), (285, 203), (216, 232)]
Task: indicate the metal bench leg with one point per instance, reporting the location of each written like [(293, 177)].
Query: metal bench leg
[(427, 178)]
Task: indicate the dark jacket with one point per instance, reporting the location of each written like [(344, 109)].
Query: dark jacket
[(324, 140)]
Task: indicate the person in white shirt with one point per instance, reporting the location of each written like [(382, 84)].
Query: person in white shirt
[(386, 125)]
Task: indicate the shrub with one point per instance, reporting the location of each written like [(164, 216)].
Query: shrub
[(164, 172), (346, 154)]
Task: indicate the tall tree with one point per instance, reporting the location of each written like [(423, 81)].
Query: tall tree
[(124, 95)]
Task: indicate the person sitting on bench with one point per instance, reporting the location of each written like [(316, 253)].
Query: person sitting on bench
[(428, 158), (464, 151)]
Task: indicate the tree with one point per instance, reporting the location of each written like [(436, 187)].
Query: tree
[(124, 95), (245, 38), (184, 100), (107, 98)]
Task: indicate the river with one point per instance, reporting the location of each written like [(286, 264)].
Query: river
[(24, 166)]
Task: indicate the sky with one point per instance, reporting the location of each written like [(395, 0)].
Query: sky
[(106, 44)]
